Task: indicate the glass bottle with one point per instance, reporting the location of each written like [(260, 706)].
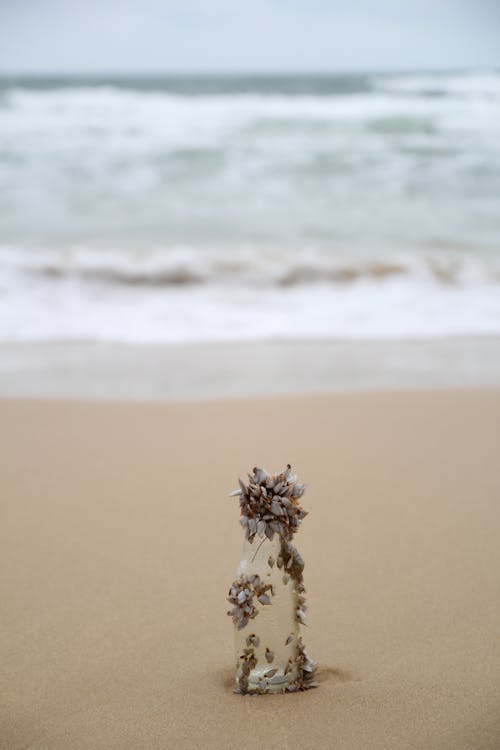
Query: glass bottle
[(268, 595), (275, 626)]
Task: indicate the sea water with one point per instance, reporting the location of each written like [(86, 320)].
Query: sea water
[(192, 208)]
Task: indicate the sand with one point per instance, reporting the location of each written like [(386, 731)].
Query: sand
[(118, 544), (101, 370)]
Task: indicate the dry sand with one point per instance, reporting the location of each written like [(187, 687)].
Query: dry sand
[(118, 544)]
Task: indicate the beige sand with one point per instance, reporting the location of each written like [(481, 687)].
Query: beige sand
[(118, 544)]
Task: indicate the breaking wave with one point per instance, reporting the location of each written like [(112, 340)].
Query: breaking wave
[(176, 296)]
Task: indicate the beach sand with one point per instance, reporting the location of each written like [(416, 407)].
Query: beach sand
[(118, 543), (90, 370)]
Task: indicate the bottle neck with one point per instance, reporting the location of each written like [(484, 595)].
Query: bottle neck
[(257, 554)]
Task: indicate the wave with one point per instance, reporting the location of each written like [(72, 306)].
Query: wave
[(177, 210), (242, 266), (201, 85), (185, 295), (88, 161), (468, 82)]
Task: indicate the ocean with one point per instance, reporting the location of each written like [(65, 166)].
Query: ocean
[(181, 209)]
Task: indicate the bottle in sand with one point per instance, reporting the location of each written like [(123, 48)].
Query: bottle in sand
[(268, 596)]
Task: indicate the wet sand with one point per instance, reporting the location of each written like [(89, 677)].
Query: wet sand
[(118, 543), (90, 370)]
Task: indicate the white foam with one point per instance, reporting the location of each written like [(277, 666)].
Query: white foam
[(141, 300)]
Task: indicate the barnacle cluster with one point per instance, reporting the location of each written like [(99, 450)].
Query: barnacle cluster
[(248, 662), (270, 504), (293, 564), (241, 596), (306, 670)]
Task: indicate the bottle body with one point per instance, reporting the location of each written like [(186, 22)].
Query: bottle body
[(267, 597), (266, 646)]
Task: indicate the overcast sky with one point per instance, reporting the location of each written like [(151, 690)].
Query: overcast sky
[(90, 36)]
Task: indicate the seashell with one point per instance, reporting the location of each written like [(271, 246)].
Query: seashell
[(286, 579), (264, 599), (242, 487), (279, 562), (270, 561), (234, 493), (252, 525), (301, 617), (269, 656), (260, 474), (289, 639), (269, 532), (276, 508), (270, 673), (261, 528)]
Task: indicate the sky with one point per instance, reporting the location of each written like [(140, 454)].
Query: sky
[(121, 36)]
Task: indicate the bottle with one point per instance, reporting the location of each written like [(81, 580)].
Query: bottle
[(267, 596)]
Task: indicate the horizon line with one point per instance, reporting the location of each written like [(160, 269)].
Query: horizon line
[(246, 72)]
